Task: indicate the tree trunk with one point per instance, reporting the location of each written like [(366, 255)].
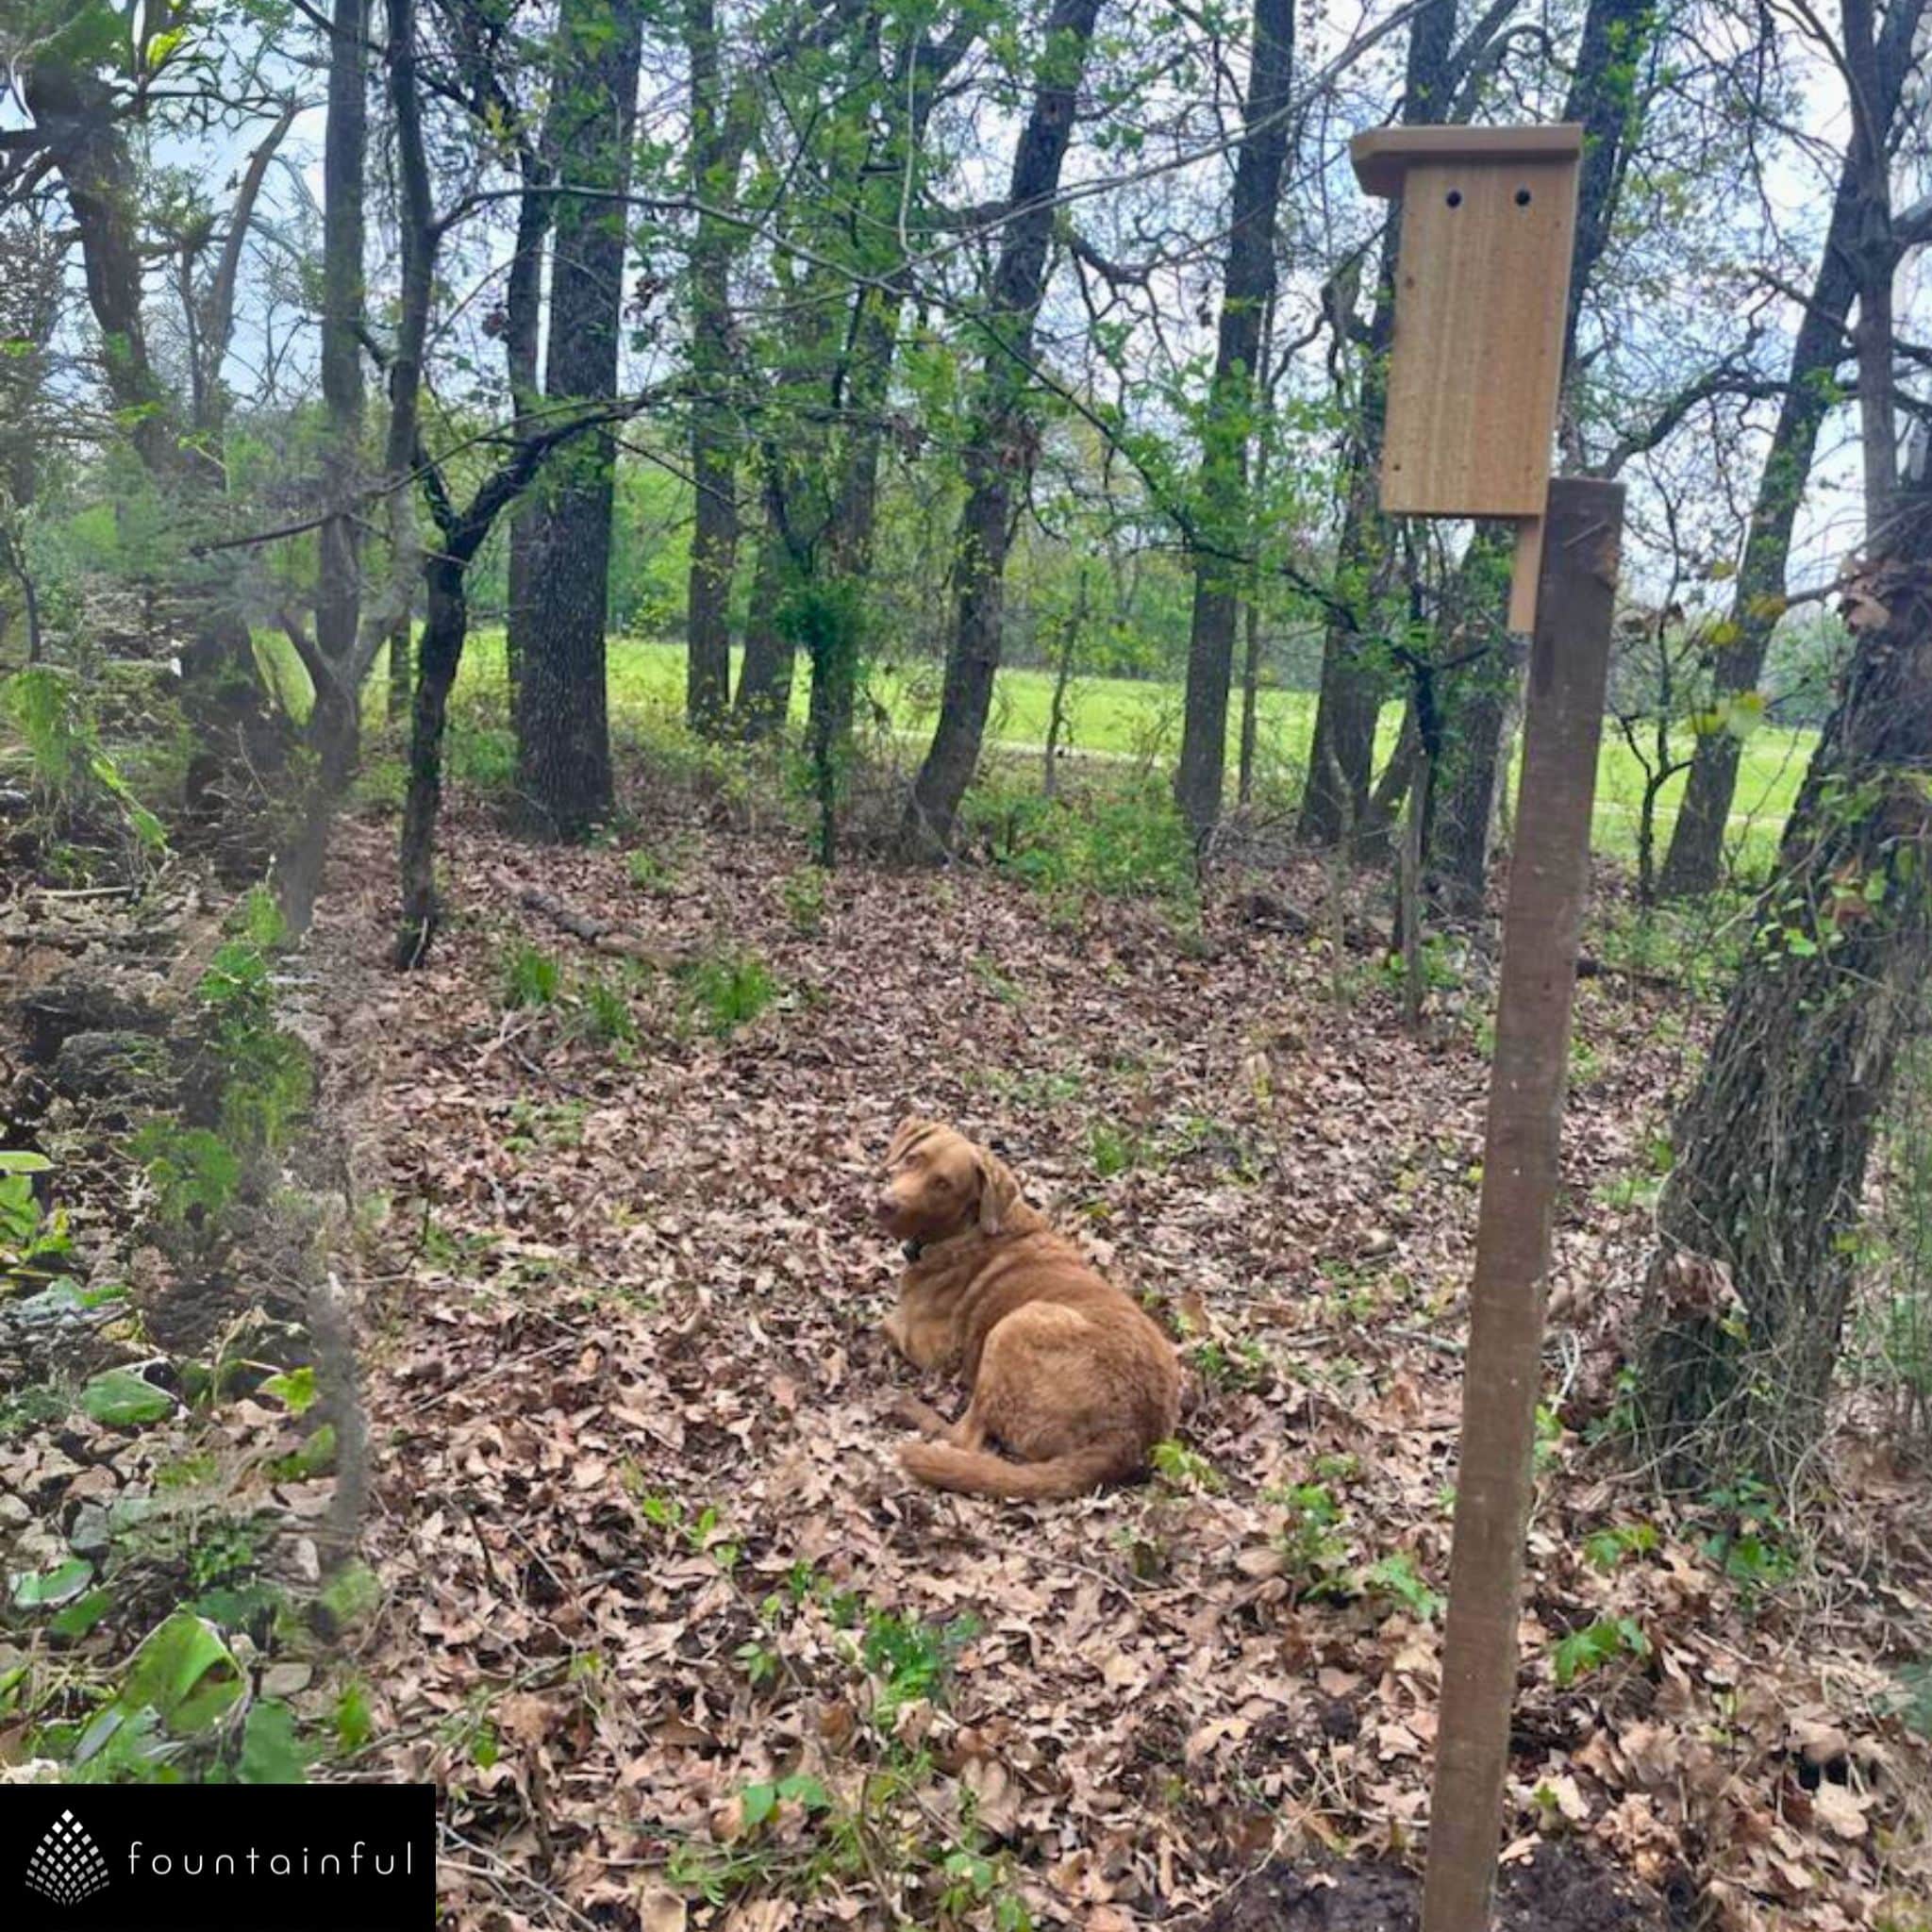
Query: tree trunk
[(333, 728), (98, 171), (1753, 1273), (443, 632), (1342, 757), (1772, 1149), (1480, 697), (339, 578), (522, 328), (1223, 537), (561, 716), (999, 447), (716, 144), (402, 677), (1694, 860), (764, 679)]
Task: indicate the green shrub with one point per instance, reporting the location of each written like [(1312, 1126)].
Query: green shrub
[(193, 1170), (1119, 842), (69, 767), (606, 1014), (729, 991), (531, 977), (804, 894)]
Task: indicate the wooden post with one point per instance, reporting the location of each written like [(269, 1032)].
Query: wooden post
[(1549, 877)]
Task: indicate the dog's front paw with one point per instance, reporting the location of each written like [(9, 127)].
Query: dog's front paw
[(894, 1327)]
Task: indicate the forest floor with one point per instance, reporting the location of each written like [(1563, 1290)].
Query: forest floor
[(684, 1647)]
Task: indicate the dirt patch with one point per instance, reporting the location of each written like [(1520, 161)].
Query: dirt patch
[(1560, 1888)]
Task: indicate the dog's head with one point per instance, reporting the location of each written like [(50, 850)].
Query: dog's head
[(938, 1184)]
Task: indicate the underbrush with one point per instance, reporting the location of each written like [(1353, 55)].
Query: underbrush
[(164, 1609), (878, 1795), (1110, 837)]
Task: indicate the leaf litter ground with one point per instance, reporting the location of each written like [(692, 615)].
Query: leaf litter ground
[(684, 1647)]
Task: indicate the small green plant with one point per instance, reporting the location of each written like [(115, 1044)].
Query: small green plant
[(912, 1660), (1311, 1540), (1748, 1538), (1549, 1439), (1181, 1468), (1005, 989), (545, 1123), (1396, 1576), (650, 871), (1595, 1645), (1113, 1148), (1442, 965), (194, 1171), (67, 761), (531, 977), (804, 894), (32, 1239), (1110, 843), (604, 1013), (727, 990), (1245, 1366), (1605, 1549)]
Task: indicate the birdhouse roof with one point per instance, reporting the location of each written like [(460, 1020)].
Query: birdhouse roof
[(1383, 155)]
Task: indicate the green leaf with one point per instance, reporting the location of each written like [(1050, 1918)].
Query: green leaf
[(295, 1390), (1744, 713), (354, 1721), (19, 1160), (80, 1616), (42, 1589), (272, 1752), (163, 46), (801, 1787), (317, 1453), (185, 1673), (122, 1400), (234, 1608), (756, 1803)]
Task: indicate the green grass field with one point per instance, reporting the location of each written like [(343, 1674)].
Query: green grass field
[(1118, 718)]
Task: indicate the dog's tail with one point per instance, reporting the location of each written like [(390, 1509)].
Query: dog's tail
[(975, 1472)]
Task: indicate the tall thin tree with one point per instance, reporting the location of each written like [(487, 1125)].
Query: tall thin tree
[(997, 456), (560, 706), (1222, 535)]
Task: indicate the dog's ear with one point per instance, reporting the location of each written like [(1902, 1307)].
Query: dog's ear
[(911, 1129), (998, 1191)]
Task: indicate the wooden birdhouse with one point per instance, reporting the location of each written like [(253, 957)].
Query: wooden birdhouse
[(1482, 287)]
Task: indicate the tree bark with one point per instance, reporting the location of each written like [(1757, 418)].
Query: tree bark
[(765, 678), (445, 627), (1772, 1147), (999, 446), (560, 709), (333, 731), (1694, 860), (522, 328), (717, 142), (98, 173), (1754, 1272), (1222, 535)]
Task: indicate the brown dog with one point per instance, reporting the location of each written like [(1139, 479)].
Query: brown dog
[(1065, 1370)]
